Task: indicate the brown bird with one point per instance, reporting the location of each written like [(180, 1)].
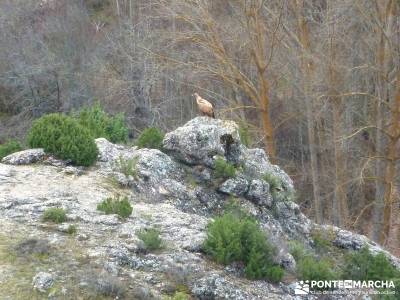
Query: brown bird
[(205, 107)]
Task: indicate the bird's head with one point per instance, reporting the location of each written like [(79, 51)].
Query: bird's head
[(195, 95)]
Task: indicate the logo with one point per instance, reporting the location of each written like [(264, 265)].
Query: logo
[(302, 288), (344, 287)]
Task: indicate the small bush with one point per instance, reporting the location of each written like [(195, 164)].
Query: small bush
[(297, 250), (274, 274), (223, 169), (106, 285), (150, 138), (55, 215), (233, 206), (63, 137), (309, 268), (71, 229), (239, 239), (100, 124), (151, 238), (118, 206), (179, 277), (275, 183), (223, 239), (362, 265), (180, 296), (116, 130), (33, 246), (244, 134), (278, 188), (322, 240), (9, 148), (127, 166)]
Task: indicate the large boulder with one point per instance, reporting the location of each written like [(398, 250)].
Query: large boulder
[(291, 219), (109, 152), (153, 166), (201, 139), (24, 157), (256, 165), (259, 193), (237, 186)]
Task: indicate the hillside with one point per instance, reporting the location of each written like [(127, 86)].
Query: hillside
[(178, 191), (314, 83)]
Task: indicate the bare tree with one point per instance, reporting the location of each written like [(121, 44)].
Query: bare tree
[(255, 39)]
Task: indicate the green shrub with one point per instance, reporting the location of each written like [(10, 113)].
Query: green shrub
[(223, 239), (223, 169), (309, 268), (55, 215), (231, 238), (275, 274), (71, 229), (127, 166), (244, 134), (322, 240), (278, 188), (180, 296), (8, 148), (106, 206), (150, 138), (275, 183), (118, 206), (151, 238), (100, 124), (63, 137), (298, 250), (362, 265), (234, 207)]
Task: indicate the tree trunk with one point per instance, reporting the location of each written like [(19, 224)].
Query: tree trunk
[(266, 119), (313, 159), (390, 172), (308, 71), (339, 205), (386, 14), (341, 214)]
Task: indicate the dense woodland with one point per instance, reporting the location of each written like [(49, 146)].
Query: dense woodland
[(314, 82)]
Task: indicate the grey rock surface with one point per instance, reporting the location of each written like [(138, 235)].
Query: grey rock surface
[(259, 193), (154, 166), (353, 241), (256, 165), (24, 157), (237, 186), (109, 152), (42, 281), (203, 138)]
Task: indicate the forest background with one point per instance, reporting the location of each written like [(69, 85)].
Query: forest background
[(316, 83)]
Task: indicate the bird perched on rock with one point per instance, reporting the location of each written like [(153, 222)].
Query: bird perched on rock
[(205, 107)]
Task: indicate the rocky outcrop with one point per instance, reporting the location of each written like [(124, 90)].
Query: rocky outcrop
[(201, 139), (25, 157), (234, 186), (174, 190), (109, 152), (259, 193)]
